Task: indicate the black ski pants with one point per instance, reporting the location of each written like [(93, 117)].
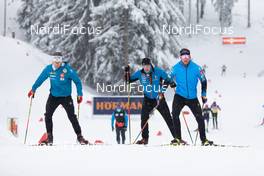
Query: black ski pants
[(178, 103), (67, 104), (120, 131), (147, 108)]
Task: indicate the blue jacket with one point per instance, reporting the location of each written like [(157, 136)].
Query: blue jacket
[(60, 80), (186, 78), (157, 75), (113, 119)]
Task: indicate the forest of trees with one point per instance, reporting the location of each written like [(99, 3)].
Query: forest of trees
[(99, 54)]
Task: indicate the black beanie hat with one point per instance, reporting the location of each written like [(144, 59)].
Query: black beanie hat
[(185, 51), (146, 61)]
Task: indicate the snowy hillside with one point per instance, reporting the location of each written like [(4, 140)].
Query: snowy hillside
[(240, 98), (238, 126)]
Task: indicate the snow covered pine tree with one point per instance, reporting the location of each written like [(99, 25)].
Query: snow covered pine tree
[(224, 8)]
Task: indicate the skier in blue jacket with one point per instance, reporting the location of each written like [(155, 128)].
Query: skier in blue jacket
[(119, 122), (61, 76), (153, 79), (186, 74)]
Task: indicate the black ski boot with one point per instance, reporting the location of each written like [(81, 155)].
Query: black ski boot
[(206, 142), (143, 141), (81, 140), (48, 141), (177, 142)]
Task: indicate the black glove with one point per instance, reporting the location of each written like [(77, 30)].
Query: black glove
[(204, 99), (113, 128), (167, 83), (173, 85), (125, 128), (127, 68), (127, 73)]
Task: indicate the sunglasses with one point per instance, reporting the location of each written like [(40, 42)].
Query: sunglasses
[(185, 56), (57, 59), (146, 65)]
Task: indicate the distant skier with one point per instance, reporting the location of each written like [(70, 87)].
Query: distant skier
[(215, 109), (186, 74), (119, 122), (223, 70), (244, 75), (61, 76), (151, 77), (206, 114), (204, 68)]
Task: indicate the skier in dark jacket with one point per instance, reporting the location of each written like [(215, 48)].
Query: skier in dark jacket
[(119, 122), (186, 74), (152, 79), (223, 70), (206, 115), (61, 76)]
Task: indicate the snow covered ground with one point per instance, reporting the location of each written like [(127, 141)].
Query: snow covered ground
[(241, 101)]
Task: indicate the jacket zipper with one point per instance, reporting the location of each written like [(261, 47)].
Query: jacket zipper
[(187, 81)]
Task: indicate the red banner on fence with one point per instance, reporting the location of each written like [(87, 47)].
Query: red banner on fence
[(234, 40)]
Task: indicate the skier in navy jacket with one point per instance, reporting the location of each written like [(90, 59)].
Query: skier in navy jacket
[(119, 122), (152, 79), (61, 76), (186, 74)]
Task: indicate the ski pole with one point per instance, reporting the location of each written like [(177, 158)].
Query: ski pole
[(196, 138), (141, 131), (183, 114), (128, 109), (145, 123), (29, 112)]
